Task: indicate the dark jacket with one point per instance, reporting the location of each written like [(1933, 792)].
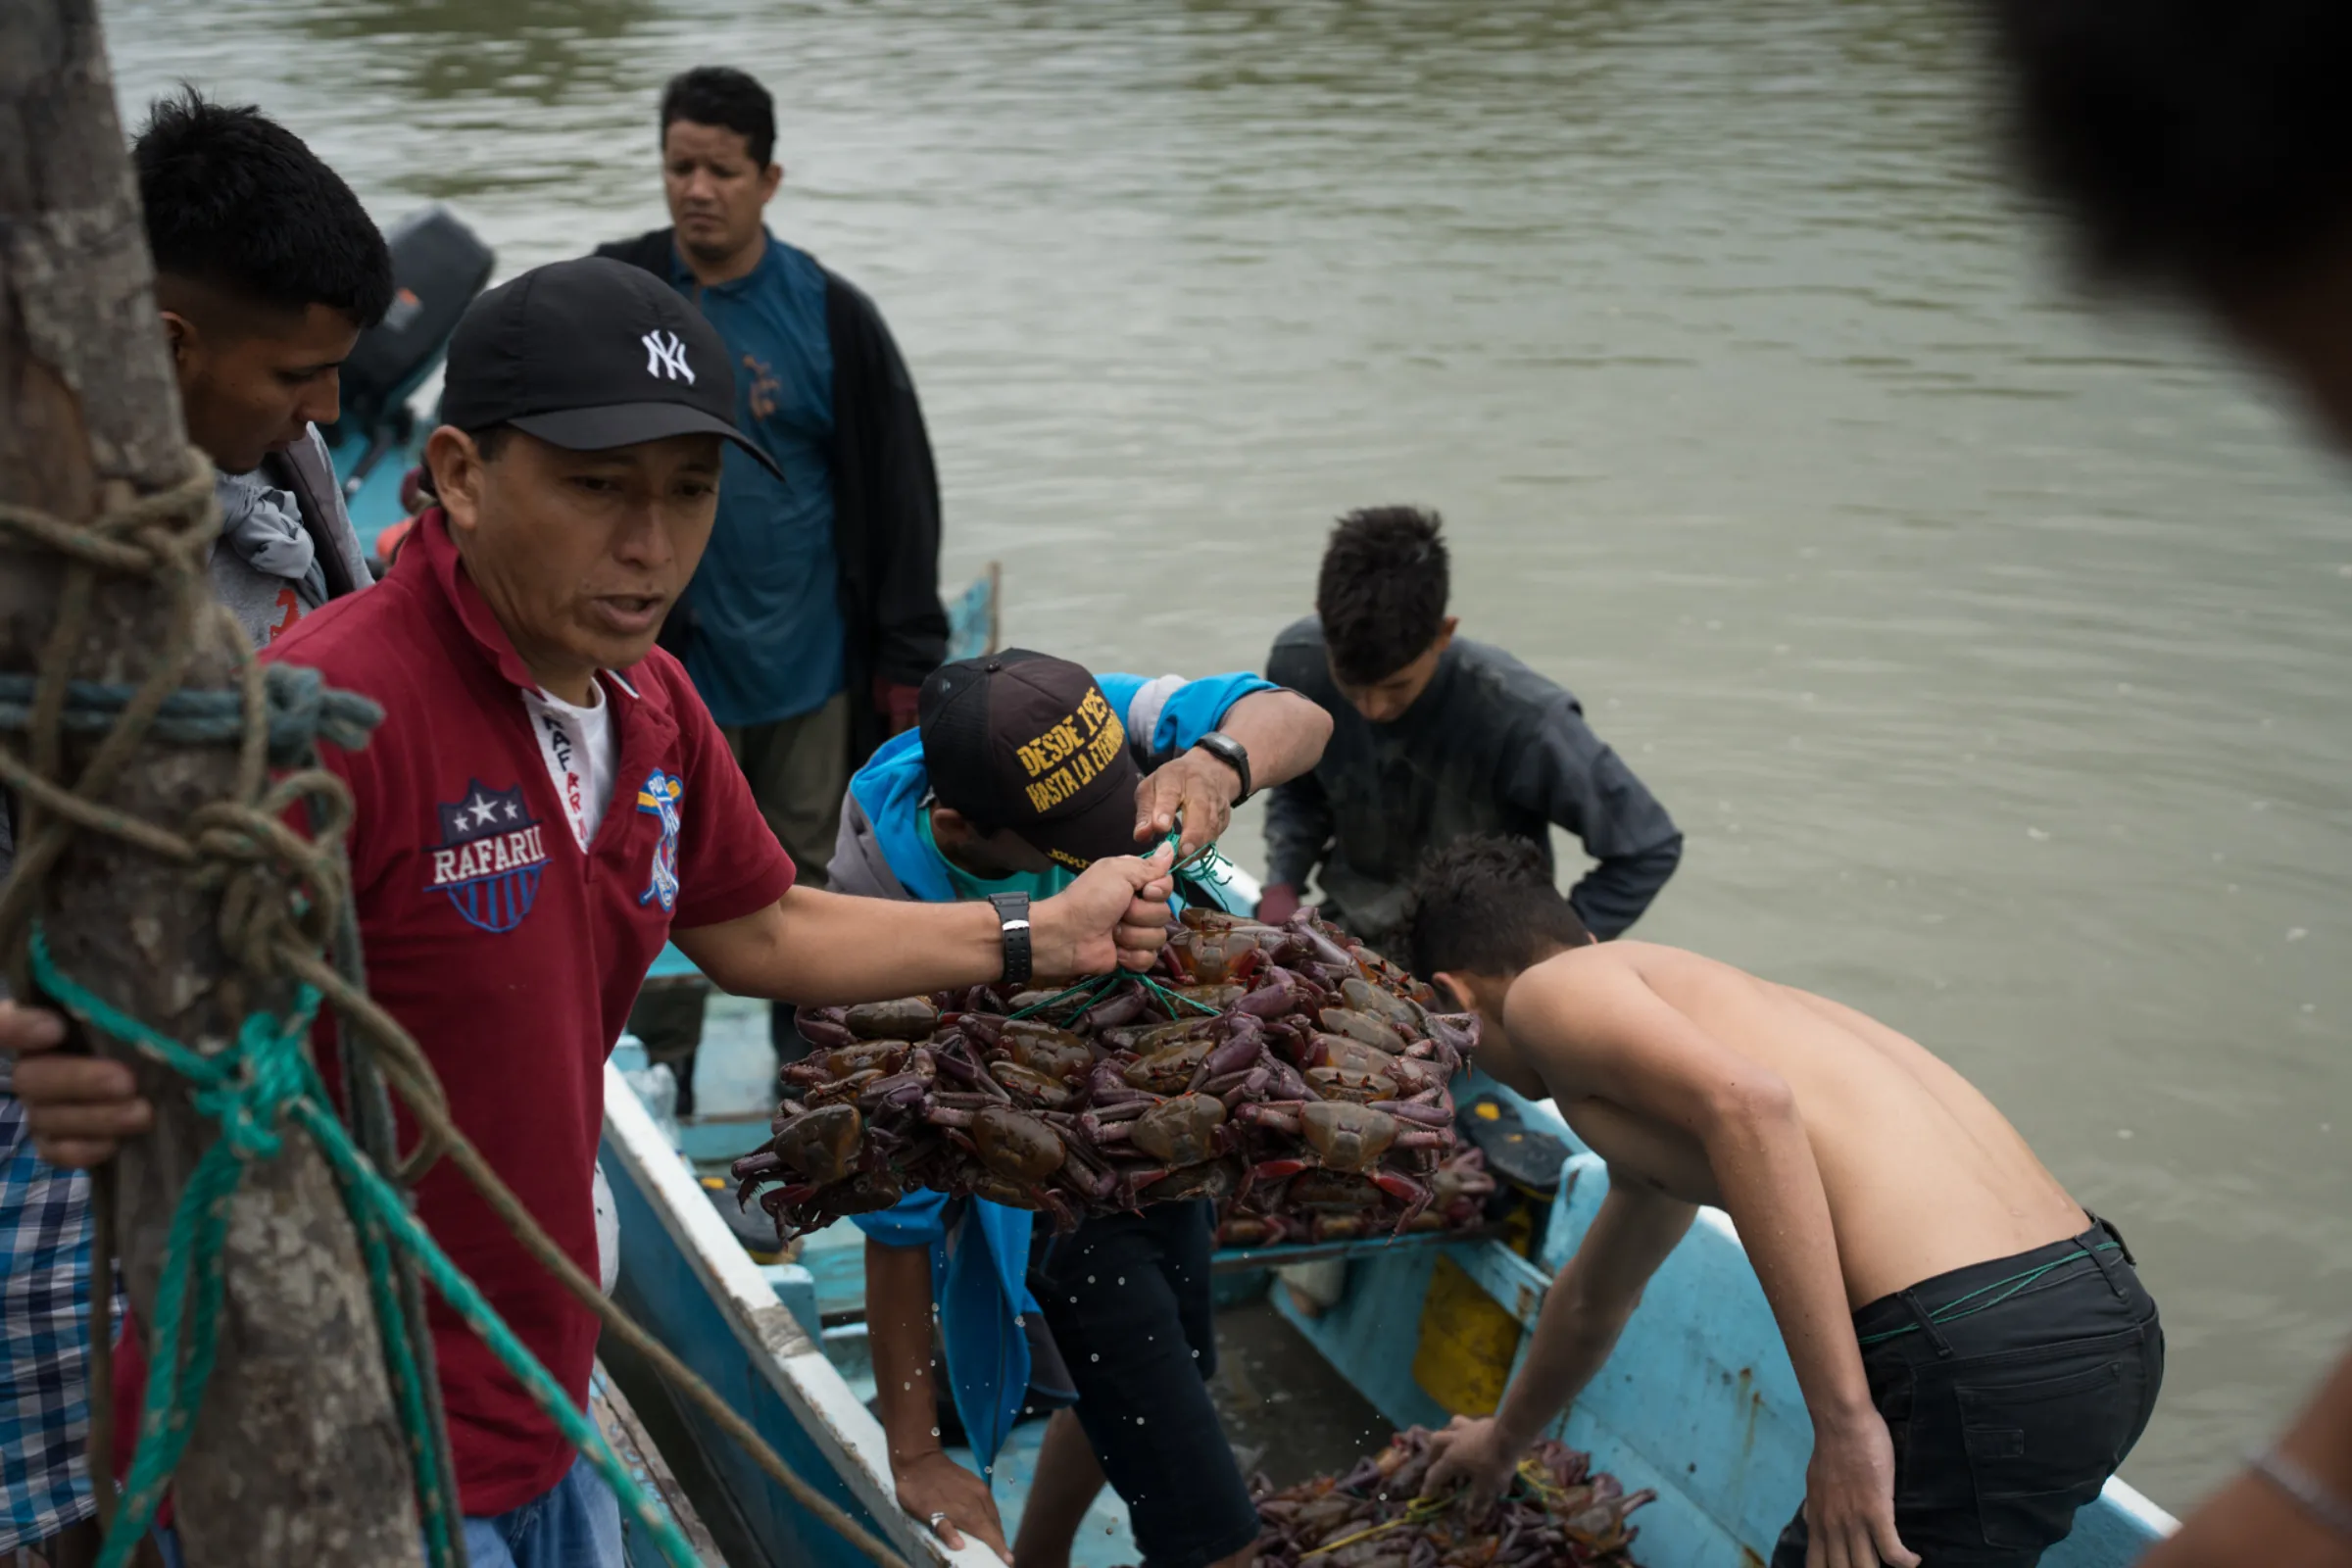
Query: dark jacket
[(884, 500), (1491, 747)]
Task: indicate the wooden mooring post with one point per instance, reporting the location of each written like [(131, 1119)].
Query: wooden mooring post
[(297, 1456)]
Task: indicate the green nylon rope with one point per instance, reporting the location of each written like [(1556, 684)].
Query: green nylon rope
[(436, 1488), (1100, 984), (1209, 864), (261, 1081)]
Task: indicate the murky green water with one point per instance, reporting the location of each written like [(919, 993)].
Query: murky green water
[(1993, 654)]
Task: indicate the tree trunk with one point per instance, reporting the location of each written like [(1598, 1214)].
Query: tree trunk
[(297, 1456)]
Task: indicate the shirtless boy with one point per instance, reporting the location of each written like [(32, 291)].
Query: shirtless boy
[(1977, 1353)]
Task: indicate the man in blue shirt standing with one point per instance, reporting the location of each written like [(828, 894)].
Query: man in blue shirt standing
[(815, 614), (1024, 770)]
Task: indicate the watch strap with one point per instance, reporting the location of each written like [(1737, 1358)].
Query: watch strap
[(1233, 754), (1012, 916)]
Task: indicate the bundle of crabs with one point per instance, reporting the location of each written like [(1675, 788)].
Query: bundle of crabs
[(1285, 1071)]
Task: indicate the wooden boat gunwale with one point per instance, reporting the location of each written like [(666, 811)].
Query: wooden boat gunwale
[(779, 1351)]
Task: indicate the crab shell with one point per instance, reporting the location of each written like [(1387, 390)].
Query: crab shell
[(821, 1144), (908, 1018), (1169, 1069), (1183, 1131), (1016, 1145), (847, 1062), (1361, 1026), (1332, 1192), (1364, 997), (1350, 1083), (1027, 1084), (1346, 1137), (1040, 1047), (1216, 1179)]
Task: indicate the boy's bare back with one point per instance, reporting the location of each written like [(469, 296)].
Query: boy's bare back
[(1922, 1174)]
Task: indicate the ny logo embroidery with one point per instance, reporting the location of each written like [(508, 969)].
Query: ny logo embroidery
[(666, 355)]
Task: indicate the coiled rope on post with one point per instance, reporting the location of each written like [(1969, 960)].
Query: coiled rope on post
[(284, 902)]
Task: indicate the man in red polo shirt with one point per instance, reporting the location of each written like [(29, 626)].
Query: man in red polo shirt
[(545, 805)]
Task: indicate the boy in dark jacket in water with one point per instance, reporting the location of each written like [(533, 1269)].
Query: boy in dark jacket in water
[(1436, 738)]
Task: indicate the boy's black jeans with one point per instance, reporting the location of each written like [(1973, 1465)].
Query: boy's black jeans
[(2012, 1391)]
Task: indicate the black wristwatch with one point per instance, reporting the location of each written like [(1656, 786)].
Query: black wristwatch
[(1232, 753), (1012, 912)]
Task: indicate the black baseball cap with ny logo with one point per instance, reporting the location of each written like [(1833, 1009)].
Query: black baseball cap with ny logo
[(590, 355)]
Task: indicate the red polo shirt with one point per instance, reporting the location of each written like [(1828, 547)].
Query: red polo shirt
[(509, 954)]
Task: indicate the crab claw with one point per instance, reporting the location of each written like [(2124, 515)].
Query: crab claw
[(1065, 1219), (1278, 993), (1278, 1115), (1414, 1110), (1413, 1194), (1252, 1083), (1123, 1005)]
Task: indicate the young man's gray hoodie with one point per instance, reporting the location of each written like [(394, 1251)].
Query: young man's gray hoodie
[(287, 543)]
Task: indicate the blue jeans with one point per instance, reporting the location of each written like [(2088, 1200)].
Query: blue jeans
[(574, 1524)]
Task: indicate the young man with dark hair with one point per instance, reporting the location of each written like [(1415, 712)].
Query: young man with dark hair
[(544, 805), (2203, 149), (266, 269), (1435, 739), (1923, 1266)]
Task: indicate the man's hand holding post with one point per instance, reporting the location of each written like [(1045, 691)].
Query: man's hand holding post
[(80, 1108)]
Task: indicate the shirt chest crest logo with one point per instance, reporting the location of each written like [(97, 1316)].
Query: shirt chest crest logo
[(659, 797), (490, 856)]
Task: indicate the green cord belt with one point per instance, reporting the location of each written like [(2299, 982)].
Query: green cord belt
[(1958, 1307)]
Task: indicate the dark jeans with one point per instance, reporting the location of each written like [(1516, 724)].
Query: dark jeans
[(2012, 1391), (1127, 1298)]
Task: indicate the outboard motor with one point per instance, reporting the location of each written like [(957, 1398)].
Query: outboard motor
[(438, 267)]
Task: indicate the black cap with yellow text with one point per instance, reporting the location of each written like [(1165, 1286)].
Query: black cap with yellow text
[(1022, 741)]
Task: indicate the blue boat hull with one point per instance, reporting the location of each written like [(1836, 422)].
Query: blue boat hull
[(1699, 1402), (684, 1277)]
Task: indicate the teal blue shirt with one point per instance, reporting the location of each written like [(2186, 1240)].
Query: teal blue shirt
[(970, 889), (767, 627), (980, 1283)]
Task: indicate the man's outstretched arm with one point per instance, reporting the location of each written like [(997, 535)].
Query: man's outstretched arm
[(1282, 732), (1584, 1313), (806, 947), (823, 948)]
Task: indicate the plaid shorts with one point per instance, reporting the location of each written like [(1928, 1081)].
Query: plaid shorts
[(44, 1297)]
